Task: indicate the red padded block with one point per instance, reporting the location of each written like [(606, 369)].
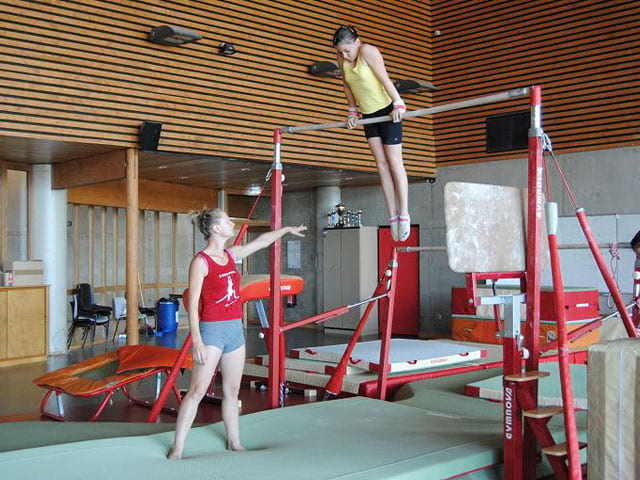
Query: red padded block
[(254, 287), (580, 304)]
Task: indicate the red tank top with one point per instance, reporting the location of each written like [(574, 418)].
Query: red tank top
[(220, 296)]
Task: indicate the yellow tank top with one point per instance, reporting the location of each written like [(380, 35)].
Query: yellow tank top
[(365, 86)]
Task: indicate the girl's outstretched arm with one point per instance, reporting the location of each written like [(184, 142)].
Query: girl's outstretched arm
[(240, 251)]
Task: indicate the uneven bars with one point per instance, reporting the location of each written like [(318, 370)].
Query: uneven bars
[(498, 97)]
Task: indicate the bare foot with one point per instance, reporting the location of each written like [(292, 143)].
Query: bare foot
[(174, 454), (236, 447)]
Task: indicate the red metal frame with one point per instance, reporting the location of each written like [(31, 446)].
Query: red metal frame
[(387, 326), (334, 385), (520, 448), (108, 391), (571, 431), (170, 383), (606, 274), (276, 336), (519, 440)]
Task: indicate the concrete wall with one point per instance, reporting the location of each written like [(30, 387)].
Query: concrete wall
[(298, 208), (605, 182)]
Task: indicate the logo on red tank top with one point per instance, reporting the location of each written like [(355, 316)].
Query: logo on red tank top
[(231, 296)]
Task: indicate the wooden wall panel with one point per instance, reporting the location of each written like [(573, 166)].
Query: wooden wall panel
[(584, 54), (84, 71), (160, 196)]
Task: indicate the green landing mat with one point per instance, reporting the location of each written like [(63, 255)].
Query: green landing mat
[(549, 391), (354, 439), (21, 435), (445, 397)]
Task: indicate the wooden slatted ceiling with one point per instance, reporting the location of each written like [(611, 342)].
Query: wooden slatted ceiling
[(584, 54), (84, 71)]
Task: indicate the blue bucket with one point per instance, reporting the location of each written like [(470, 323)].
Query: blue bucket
[(167, 316)]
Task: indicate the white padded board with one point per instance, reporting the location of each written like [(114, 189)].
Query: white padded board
[(303, 365), (350, 384), (405, 354), (485, 227)]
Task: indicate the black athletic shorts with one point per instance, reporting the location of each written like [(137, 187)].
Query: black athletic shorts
[(389, 132)]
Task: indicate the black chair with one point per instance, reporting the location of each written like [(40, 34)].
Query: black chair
[(86, 314), (87, 323), (87, 304), (149, 312)]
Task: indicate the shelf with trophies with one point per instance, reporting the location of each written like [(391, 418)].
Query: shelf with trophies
[(350, 268), (340, 217)]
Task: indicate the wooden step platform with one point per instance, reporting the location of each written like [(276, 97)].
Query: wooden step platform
[(560, 449), (543, 412)]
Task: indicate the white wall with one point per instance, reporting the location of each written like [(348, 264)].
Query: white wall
[(49, 244)]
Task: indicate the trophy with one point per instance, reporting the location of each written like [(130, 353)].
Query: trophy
[(341, 210)]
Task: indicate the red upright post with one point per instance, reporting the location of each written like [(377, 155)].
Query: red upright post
[(275, 307), (171, 380), (571, 432), (606, 274), (534, 218), (385, 342)]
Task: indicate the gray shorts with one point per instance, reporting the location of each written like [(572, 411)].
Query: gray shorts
[(227, 335)]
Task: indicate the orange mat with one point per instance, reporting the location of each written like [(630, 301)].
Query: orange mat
[(107, 373)]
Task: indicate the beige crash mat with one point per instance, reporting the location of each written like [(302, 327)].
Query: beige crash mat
[(614, 410)]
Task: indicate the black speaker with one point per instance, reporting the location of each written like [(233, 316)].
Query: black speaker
[(508, 131), (413, 86), (149, 136), (325, 69)]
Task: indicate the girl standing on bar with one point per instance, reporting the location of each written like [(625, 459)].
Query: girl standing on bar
[(215, 322), (370, 91)]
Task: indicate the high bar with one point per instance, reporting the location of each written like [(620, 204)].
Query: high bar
[(497, 97)]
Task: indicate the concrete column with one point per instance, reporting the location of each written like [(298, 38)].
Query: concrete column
[(223, 202), (48, 223), (327, 198)]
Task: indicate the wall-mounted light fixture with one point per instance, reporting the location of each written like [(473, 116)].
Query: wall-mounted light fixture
[(253, 190), (325, 69), (172, 35), (413, 86), (226, 48)]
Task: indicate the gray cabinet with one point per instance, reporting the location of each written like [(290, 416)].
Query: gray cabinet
[(350, 275)]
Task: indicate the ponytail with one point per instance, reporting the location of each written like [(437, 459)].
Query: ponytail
[(206, 219), (345, 33)]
